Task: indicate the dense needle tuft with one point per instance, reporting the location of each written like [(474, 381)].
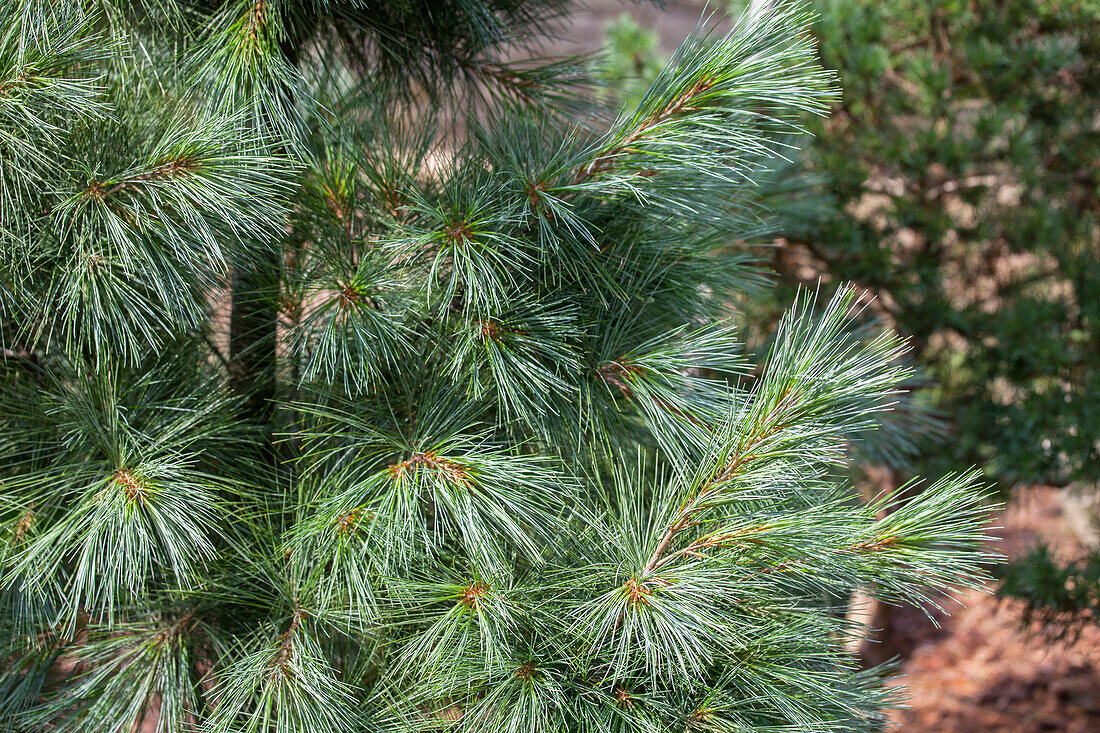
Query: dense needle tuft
[(133, 488), (473, 594)]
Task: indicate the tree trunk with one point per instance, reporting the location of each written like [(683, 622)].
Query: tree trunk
[(252, 336)]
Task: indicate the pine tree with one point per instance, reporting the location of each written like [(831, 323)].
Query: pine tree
[(360, 377)]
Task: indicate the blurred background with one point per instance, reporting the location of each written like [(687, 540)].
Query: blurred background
[(957, 182)]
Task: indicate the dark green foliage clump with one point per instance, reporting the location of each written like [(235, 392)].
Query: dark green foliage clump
[(1060, 597), (356, 378), (962, 164)]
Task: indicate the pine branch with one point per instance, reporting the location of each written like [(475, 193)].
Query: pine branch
[(680, 105)]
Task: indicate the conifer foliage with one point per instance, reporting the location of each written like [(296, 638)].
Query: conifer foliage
[(477, 448)]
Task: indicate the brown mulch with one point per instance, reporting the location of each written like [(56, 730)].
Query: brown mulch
[(982, 671)]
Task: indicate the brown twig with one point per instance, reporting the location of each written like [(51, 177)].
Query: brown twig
[(256, 21), (604, 161), (163, 171), (696, 548), (743, 455), (19, 354), (286, 645), (456, 472), (617, 372), (23, 526)]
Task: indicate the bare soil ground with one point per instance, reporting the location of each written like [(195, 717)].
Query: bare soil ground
[(982, 671)]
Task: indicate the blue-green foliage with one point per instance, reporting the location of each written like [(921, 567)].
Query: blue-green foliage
[(484, 450)]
